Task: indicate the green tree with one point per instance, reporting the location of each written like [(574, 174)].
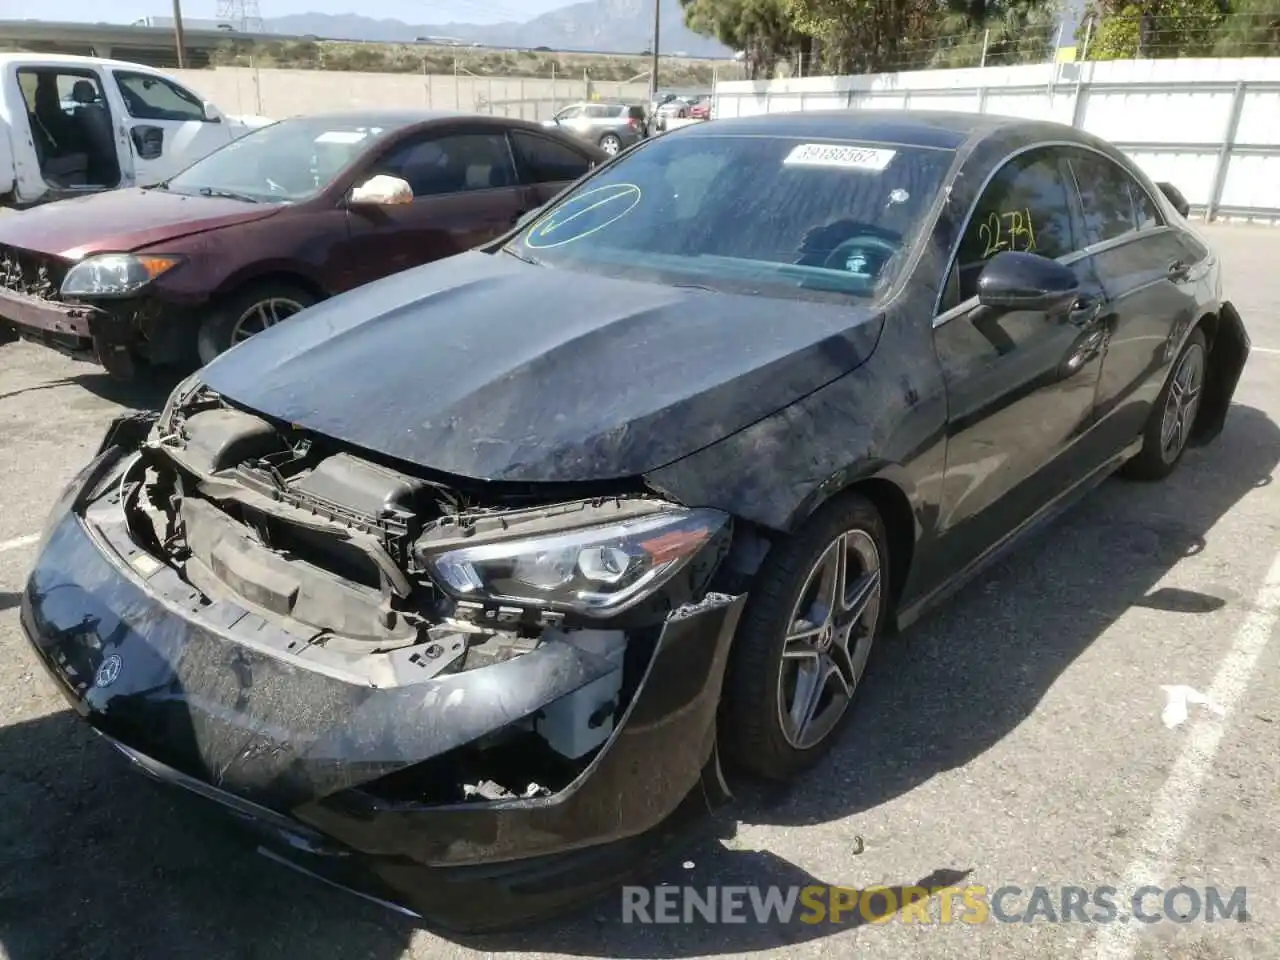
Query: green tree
[(868, 36), (996, 34), (1129, 29), (1250, 29), (761, 29)]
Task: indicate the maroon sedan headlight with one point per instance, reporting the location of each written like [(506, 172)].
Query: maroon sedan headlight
[(115, 274)]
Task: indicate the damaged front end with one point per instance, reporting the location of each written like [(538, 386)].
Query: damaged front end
[(112, 331), (414, 673)]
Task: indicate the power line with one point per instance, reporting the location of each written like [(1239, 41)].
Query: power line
[(244, 15)]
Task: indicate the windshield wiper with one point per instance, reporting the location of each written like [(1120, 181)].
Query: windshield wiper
[(228, 194), (532, 261)]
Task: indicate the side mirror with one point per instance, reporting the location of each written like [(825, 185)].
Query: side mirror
[(1175, 197), (211, 112), (381, 191), (1014, 280)]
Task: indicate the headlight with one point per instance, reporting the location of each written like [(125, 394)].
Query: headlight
[(596, 571), (114, 274)]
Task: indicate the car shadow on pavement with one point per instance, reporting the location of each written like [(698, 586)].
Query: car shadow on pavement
[(97, 862), (148, 392), (954, 684)]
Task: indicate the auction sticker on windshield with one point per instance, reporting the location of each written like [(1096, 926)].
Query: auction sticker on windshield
[(839, 155), (342, 136)]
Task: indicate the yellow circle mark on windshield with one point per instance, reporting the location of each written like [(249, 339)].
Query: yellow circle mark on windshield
[(551, 231)]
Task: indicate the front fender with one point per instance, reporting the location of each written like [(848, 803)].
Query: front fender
[(1227, 356)]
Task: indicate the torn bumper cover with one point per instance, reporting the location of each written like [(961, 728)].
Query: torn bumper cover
[(338, 776), (108, 334), (37, 316)]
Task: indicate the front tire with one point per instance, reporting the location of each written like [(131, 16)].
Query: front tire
[(1164, 438), (248, 311), (802, 645)]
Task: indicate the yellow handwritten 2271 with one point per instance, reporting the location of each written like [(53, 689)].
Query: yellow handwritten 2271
[(1011, 230)]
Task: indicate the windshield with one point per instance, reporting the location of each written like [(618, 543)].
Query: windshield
[(767, 215), (288, 161)]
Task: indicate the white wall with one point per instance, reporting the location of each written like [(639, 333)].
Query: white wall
[(283, 93), (1173, 117)]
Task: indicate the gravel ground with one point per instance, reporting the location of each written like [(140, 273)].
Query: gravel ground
[(1013, 738)]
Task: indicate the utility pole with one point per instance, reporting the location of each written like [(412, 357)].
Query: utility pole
[(653, 70), (178, 36)]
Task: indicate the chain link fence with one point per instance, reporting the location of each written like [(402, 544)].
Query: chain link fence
[(1031, 39)]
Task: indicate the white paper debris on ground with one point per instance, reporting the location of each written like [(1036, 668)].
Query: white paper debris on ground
[(1177, 700)]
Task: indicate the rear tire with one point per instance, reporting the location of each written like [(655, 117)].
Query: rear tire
[(610, 144), (769, 727), (1164, 438), (248, 311)]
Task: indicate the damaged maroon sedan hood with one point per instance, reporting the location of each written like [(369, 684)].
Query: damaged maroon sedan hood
[(119, 221), (486, 367)]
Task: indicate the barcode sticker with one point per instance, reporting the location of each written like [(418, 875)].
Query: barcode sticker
[(342, 136), (839, 155)]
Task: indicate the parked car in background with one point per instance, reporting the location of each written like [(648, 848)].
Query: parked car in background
[(60, 116), (268, 225), (611, 126), (700, 109), (460, 586), (677, 108)]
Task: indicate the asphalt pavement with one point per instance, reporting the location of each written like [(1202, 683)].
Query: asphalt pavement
[(1098, 711)]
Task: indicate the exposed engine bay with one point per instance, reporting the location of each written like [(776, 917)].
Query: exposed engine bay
[(410, 577)]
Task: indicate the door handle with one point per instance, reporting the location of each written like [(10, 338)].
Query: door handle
[(1084, 310)]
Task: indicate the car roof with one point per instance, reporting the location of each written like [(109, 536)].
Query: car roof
[(74, 61), (941, 129), (404, 118)]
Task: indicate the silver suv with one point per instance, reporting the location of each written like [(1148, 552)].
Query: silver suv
[(611, 126)]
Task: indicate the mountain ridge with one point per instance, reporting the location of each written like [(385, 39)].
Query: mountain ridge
[(603, 26)]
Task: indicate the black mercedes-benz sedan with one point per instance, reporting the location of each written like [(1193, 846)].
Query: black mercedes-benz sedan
[(458, 587)]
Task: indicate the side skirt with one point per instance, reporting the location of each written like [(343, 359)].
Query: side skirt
[(1014, 538)]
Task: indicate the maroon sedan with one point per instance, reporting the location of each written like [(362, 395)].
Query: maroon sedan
[(266, 226)]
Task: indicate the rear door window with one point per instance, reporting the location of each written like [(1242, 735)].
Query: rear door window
[(543, 160), (1107, 198)]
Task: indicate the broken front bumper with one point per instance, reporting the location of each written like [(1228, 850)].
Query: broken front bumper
[(38, 317), (198, 694), (112, 334)]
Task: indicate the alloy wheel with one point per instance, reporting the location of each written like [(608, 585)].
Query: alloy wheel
[(829, 637), (263, 314), (1182, 403), (610, 145)]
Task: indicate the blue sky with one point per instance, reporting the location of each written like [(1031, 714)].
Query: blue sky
[(411, 11)]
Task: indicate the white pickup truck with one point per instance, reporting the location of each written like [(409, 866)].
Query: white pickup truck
[(74, 125)]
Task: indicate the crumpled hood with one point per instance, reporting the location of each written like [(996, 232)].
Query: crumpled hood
[(485, 367), (122, 220)]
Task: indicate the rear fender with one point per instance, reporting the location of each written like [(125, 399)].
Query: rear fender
[(1227, 356)]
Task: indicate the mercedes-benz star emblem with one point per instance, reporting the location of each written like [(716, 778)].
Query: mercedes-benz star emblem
[(109, 671)]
